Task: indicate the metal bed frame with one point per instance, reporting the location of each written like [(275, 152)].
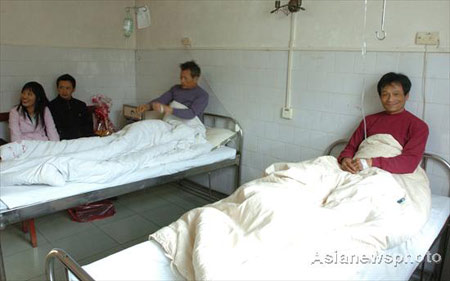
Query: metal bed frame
[(10, 216), (442, 240)]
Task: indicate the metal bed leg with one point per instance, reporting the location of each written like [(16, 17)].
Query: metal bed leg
[(422, 270), (237, 178), (69, 264), (443, 246), (32, 229), (2, 264), (209, 184)]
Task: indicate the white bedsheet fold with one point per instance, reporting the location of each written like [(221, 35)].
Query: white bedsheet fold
[(300, 211), (96, 160)]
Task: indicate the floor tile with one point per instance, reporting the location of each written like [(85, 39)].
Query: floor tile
[(135, 242), (83, 245), (26, 264), (165, 215), (14, 240), (121, 212), (129, 228), (137, 215), (131, 195), (100, 255), (40, 278), (145, 202), (169, 188), (59, 274), (183, 202), (61, 227), (199, 201), (51, 217)]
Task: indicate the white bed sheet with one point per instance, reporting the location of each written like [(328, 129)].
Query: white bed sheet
[(146, 261), (412, 248), (19, 196)]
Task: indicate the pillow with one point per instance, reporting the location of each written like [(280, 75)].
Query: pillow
[(194, 122), (218, 136)]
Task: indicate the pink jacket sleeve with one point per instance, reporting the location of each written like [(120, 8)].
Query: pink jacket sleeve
[(50, 127), (14, 128)]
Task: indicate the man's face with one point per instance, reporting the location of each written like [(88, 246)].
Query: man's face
[(187, 81), (65, 89), (393, 98)]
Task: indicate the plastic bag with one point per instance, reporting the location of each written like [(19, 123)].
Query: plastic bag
[(92, 211)]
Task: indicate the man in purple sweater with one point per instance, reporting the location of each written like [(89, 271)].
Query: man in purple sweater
[(410, 131), (187, 93)]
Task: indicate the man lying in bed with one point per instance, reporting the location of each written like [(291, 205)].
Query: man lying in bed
[(187, 93), (410, 131)]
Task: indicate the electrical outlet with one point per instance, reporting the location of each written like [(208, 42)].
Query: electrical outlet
[(287, 112), (427, 38), (186, 41)]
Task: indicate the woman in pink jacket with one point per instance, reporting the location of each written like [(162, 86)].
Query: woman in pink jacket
[(31, 119)]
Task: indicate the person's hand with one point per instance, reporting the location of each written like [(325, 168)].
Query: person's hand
[(360, 164), (156, 106), (162, 108), (167, 109), (141, 108), (350, 165)]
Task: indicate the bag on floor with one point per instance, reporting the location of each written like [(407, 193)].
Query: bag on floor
[(92, 211)]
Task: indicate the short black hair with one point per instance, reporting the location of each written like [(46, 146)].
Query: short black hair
[(192, 66), (66, 77), (393, 77)]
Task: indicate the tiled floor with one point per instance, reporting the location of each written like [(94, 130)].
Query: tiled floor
[(137, 215)]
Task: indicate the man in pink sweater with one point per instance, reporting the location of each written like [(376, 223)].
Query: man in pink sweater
[(410, 131)]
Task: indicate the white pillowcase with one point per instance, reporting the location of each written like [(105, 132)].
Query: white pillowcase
[(218, 136), (215, 136), (194, 122)]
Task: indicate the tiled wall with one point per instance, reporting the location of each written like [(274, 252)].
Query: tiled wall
[(249, 86), (326, 97), (110, 72)]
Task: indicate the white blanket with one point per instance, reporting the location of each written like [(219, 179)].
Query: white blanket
[(96, 160), (300, 211)]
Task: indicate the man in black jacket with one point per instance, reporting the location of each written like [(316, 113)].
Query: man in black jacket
[(71, 115)]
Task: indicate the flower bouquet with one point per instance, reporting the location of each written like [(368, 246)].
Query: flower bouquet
[(102, 124)]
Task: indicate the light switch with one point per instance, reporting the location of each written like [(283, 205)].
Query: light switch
[(287, 112), (427, 38)]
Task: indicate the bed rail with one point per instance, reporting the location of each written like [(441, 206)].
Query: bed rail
[(69, 265), (10, 216), (217, 120), (235, 141), (227, 122), (442, 240), (426, 156)]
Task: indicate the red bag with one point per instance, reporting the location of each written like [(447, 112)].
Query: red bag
[(92, 211)]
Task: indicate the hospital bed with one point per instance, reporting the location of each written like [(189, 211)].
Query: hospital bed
[(147, 260), (20, 203)]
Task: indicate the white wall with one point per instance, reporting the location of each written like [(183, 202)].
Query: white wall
[(42, 39), (64, 23), (326, 24), (327, 87), (242, 51), (97, 71)]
